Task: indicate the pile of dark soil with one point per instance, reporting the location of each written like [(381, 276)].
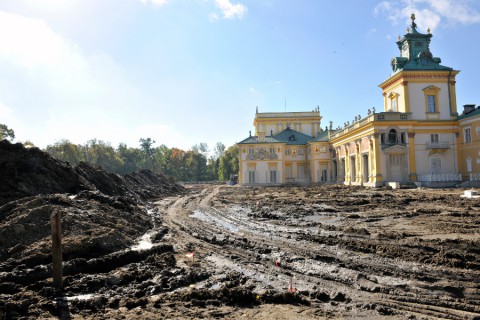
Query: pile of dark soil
[(103, 216), (29, 171)]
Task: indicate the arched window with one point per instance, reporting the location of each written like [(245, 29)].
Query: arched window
[(392, 136)]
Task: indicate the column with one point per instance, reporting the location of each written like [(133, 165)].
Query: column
[(377, 171), (411, 157)]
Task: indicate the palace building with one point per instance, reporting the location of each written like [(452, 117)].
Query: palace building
[(417, 138)]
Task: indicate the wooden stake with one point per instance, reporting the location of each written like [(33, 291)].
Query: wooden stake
[(56, 224)]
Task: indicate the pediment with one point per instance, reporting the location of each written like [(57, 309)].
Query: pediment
[(431, 89), (395, 148)]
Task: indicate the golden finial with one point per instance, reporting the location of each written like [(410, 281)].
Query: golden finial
[(399, 38), (408, 30), (428, 30), (412, 16)]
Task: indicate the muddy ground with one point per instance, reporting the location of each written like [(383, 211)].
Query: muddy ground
[(142, 247), (345, 252)]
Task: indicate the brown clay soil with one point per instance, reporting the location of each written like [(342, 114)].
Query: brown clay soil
[(142, 247)]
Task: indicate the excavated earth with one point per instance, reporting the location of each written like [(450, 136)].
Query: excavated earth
[(142, 247)]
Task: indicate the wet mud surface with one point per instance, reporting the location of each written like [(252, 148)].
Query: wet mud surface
[(142, 247), (346, 251)]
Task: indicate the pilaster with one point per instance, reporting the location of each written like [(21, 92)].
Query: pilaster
[(377, 178), (411, 157)]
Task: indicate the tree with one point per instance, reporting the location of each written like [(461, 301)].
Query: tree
[(202, 148), (131, 157), (177, 164), (219, 150), (6, 133), (66, 151), (162, 160), (228, 163), (102, 154), (148, 153)]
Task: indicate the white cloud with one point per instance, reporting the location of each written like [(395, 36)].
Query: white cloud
[(230, 10), (429, 13), (157, 3), (213, 17)]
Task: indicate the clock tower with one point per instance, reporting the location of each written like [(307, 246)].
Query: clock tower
[(419, 85), (415, 51)]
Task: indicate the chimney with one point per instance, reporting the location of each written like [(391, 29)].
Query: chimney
[(467, 108)]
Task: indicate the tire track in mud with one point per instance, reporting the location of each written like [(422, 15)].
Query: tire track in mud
[(322, 261)]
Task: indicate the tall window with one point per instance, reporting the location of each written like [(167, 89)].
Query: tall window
[(434, 138), (469, 164), (394, 105), (468, 135), (436, 165), (431, 104), (273, 176), (301, 172), (431, 99), (251, 174), (393, 96)]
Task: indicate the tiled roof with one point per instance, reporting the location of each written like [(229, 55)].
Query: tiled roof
[(321, 137), (292, 137), (470, 114), (254, 139)]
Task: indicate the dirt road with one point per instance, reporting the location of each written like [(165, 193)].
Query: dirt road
[(212, 252), (345, 252)]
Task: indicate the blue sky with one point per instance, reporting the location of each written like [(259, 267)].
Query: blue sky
[(189, 71)]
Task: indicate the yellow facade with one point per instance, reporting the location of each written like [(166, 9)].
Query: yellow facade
[(418, 137)]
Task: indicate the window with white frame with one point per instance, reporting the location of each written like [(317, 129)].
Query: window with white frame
[(300, 151), (431, 99), (434, 138), (467, 134), (431, 103)]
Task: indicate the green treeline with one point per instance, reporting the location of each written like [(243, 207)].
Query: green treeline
[(196, 164)]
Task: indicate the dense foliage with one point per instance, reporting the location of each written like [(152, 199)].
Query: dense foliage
[(196, 164)]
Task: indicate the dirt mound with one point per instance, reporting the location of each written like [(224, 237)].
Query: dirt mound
[(27, 172), (142, 184), (148, 185), (108, 183), (105, 218)]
